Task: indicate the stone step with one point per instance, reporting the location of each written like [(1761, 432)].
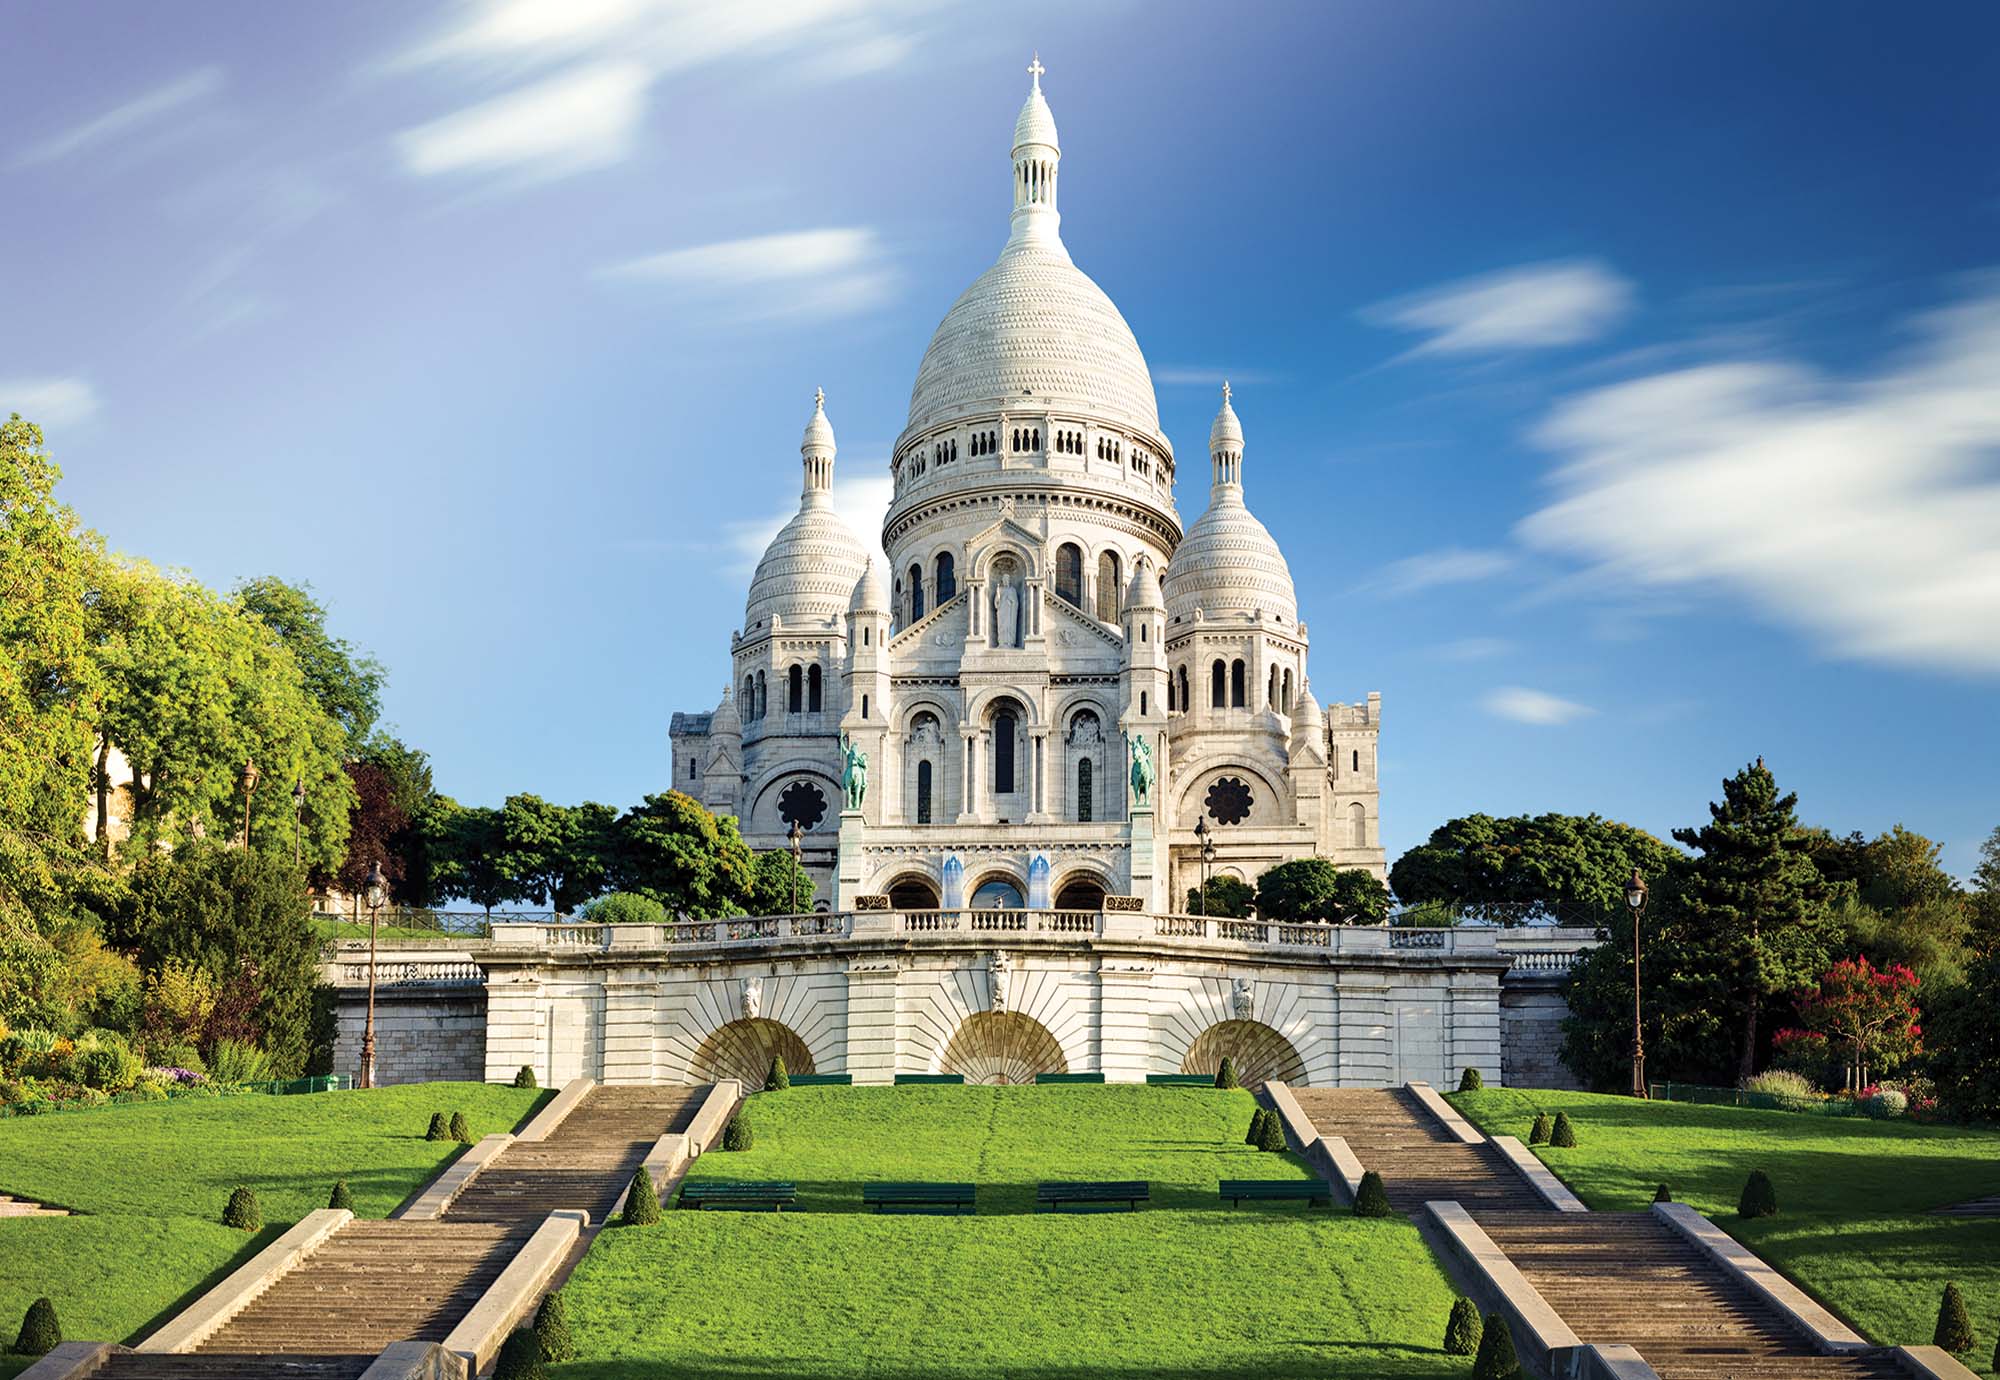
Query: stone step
[(296, 1366)]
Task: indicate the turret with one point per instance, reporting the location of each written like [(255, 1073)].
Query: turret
[(1144, 678), (723, 777)]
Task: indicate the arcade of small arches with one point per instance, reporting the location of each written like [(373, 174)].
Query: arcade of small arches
[(998, 768), (1228, 687), (927, 585)]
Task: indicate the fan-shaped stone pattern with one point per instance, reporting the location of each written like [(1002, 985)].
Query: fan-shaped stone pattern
[(808, 572), (1228, 564), (1002, 1047), (743, 1050), (1034, 331), (1258, 1052)]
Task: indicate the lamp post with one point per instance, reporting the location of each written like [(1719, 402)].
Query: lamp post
[(1635, 901), (298, 822), (1202, 836), (797, 837), (249, 785), (374, 893)]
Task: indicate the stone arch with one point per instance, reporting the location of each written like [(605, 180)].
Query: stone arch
[(743, 1050), (1273, 807), (913, 890), (1259, 1053), (997, 874), (1002, 1047), (763, 817), (1023, 556), (1080, 888)]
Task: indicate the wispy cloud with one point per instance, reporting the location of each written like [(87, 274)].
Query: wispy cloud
[(860, 501), (1535, 306), (1472, 649), (579, 119), (800, 274), (135, 116), (1453, 565), (1205, 376), (1864, 512), (49, 402), (1521, 705)]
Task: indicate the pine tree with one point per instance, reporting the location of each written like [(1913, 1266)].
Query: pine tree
[(1225, 1077), (525, 1078), (437, 1130), (1461, 1332), (341, 1197), (552, 1328), (1539, 1133), (520, 1357), (777, 1080), (242, 1211), (1954, 1327), (460, 1131), (1755, 900), (1272, 1137), (1563, 1136), (1662, 1195), (1760, 1196), (1496, 1359), (40, 1332), (1371, 1199), (1470, 1081), (642, 1204)]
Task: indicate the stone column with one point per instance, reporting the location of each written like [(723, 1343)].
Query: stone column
[(516, 1027), (848, 868), (629, 1025), (1125, 1021), (873, 1031), (966, 734), (1038, 807)]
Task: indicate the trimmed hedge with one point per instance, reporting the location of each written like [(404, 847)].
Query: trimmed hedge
[(1255, 1135), (460, 1131), (1225, 1077), (437, 1130), (1461, 1331), (341, 1197), (1662, 1194), (1954, 1327), (520, 1357), (777, 1080), (1371, 1199), (736, 1135), (552, 1328), (1496, 1359), (1272, 1137), (1470, 1081), (642, 1204), (1760, 1196), (525, 1078), (242, 1211), (1538, 1134), (40, 1332), (1563, 1136)]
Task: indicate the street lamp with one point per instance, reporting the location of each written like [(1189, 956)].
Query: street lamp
[(374, 892), (249, 785), (797, 837), (1207, 842), (298, 822), (1635, 901)]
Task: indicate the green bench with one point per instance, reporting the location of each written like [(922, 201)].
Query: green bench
[(903, 1078), (1055, 1195), (933, 1198), (1311, 1191), (822, 1080), (1069, 1078), (738, 1195), (1182, 1080)]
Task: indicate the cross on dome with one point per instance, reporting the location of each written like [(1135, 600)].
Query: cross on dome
[(1035, 70), (1225, 390)]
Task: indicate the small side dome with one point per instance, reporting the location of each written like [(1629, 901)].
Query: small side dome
[(1037, 123), (1144, 591), (870, 594), (725, 722), (1227, 433), (1308, 723)]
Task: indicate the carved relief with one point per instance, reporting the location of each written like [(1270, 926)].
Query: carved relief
[(996, 981), (874, 901), (1242, 998), (751, 997)]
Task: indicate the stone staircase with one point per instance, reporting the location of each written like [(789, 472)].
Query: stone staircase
[(585, 1163), (1612, 1277)]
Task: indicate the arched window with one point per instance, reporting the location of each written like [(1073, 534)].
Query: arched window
[(813, 689), (1186, 704), (1084, 797), (749, 710), (795, 695), (946, 584), (864, 706), (1003, 753), (1017, 438), (1236, 685), (1108, 587), (1285, 691), (1142, 703), (916, 592), (1170, 692), (1217, 680), (763, 696), (1357, 759), (1069, 574), (1271, 690), (1357, 824), (923, 792)]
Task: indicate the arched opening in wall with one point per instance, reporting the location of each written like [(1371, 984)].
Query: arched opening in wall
[(1285, 692), (916, 592), (1086, 793), (946, 583), (1271, 690), (1081, 893), (795, 690), (743, 1050), (1236, 685), (1357, 825), (749, 702), (1258, 1052), (1069, 574), (813, 689), (1108, 587), (1186, 703), (998, 891), (1002, 1047), (923, 792), (1006, 747), (1217, 682), (763, 695), (913, 891)]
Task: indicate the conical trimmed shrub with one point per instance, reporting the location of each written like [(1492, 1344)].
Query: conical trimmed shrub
[(1662, 1194), (1371, 1199), (1256, 1131), (40, 1332), (1461, 1332), (341, 1197), (1954, 1327), (242, 1211), (520, 1357), (1272, 1137), (1563, 1135), (1496, 1359), (460, 1131), (777, 1080), (552, 1328), (1760, 1196), (736, 1135), (1538, 1134), (642, 1204), (525, 1078), (1225, 1077), (1470, 1081), (437, 1130)]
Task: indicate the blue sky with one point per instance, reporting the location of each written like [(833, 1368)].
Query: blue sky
[(1622, 381)]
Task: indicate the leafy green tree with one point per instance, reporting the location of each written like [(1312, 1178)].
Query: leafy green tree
[(1306, 889), (1985, 901), (1485, 864), (624, 908), (345, 684), (1903, 871), (1964, 1041), (779, 885), (669, 848), (460, 847), (558, 855), (1227, 897)]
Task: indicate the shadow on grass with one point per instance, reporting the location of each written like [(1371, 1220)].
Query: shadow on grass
[(252, 1244), (1339, 1359), (1002, 1198)]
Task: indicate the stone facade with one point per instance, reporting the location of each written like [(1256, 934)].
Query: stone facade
[(424, 1033), (1532, 1010)]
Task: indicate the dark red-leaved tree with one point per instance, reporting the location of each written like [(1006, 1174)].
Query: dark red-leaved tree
[(1869, 1012), (378, 829)]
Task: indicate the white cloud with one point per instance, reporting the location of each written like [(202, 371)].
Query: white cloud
[(1538, 707), (49, 402), (581, 118), (1473, 649), (1535, 306), (860, 502), (1865, 512), (1197, 375), (132, 117), (817, 274), (1451, 565)]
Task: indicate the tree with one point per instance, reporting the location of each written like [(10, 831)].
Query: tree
[(460, 848), (1756, 899), (1986, 893), (1307, 889), (1903, 871), (669, 848), (1229, 898), (378, 831), (1872, 1013), (1964, 1041), (779, 885), (555, 854), (1498, 867), (346, 685)]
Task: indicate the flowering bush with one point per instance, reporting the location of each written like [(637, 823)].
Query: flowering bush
[(1870, 1014)]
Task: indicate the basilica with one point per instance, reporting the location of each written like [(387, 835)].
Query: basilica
[(1055, 697)]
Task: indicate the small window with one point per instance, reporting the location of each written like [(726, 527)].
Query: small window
[(864, 706), (1357, 759), (795, 698), (1084, 800), (1217, 681), (1069, 574), (1142, 702), (813, 690), (1236, 685), (916, 593), (946, 584), (923, 792), (1003, 754)]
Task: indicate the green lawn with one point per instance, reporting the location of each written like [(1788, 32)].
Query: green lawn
[(1185, 1287), (151, 1180), (1854, 1195)]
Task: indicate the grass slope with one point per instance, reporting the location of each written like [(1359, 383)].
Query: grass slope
[(1854, 1196), (152, 1179), (1185, 1287)]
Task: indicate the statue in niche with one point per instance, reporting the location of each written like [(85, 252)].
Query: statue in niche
[(1142, 771), (996, 981), (752, 997), (1242, 996), (853, 772), (1006, 612)]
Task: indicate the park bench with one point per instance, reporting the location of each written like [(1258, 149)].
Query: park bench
[(1311, 1191), (1053, 1196), (953, 1078), (1182, 1080), (1069, 1078), (822, 1080), (738, 1195), (934, 1198)]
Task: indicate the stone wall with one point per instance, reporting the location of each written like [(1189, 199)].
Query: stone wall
[(1531, 1016), (424, 1033)]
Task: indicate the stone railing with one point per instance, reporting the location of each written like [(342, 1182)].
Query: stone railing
[(1545, 960), (401, 973)]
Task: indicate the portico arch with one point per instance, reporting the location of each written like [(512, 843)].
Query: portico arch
[(1002, 1047), (1081, 890), (913, 891), (743, 1050), (1258, 1052)]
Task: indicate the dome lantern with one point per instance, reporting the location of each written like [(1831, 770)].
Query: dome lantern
[(817, 450), (1036, 154), (1225, 444)]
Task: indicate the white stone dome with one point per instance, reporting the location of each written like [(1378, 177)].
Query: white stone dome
[(1229, 565), (871, 595), (808, 572)]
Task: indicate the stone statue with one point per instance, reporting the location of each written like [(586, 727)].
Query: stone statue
[(853, 772), (1142, 771), (752, 997), (1007, 614), (996, 981), (1242, 997)]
